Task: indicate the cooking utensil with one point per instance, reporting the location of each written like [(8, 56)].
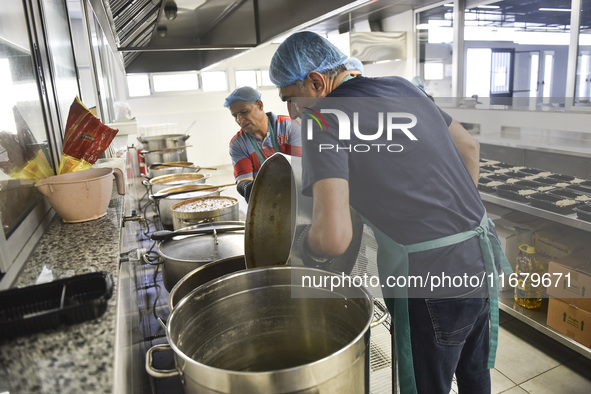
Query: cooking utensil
[(189, 188), (164, 181), (163, 150), (181, 255), (159, 142), (82, 195), (265, 330), (164, 235), (202, 275), (182, 165), (195, 210)]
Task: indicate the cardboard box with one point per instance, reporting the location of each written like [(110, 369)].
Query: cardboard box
[(571, 279), (569, 320), (554, 241)]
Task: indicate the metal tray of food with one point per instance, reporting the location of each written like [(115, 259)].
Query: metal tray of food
[(583, 212), (516, 193), (47, 306), (550, 202)]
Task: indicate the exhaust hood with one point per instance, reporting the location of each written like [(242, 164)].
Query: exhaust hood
[(180, 35)]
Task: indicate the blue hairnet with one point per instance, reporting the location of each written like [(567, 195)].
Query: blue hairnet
[(300, 54), (245, 93), (353, 63)]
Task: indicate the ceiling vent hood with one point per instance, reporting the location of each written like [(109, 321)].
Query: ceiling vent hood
[(181, 35), (372, 47)]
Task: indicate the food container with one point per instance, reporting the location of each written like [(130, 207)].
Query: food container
[(46, 306), (488, 185), (159, 142), (577, 196), (516, 193), (183, 254), (552, 203), (263, 331), (583, 212), (166, 198), (82, 195), (204, 209), (162, 182)]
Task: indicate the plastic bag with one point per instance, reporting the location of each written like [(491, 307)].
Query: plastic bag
[(85, 139)]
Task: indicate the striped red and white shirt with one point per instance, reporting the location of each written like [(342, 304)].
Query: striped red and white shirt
[(244, 157)]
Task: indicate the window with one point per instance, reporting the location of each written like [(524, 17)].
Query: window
[(175, 82), (263, 78), (246, 78), (214, 81), (138, 85)]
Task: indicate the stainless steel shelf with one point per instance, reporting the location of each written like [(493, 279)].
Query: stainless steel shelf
[(536, 318), (569, 220)]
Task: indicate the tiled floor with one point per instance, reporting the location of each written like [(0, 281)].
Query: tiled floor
[(530, 362)]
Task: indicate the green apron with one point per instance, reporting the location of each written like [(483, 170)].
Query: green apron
[(257, 150), (393, 261)]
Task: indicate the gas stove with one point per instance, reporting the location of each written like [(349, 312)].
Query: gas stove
[(143, 301)]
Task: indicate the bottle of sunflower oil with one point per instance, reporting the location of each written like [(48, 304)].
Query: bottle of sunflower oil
[(529, 270)]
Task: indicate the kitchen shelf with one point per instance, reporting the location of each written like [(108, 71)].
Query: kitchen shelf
[(536, 318)]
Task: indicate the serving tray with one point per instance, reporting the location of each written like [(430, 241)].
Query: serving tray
[(548, 201), (46, 306)]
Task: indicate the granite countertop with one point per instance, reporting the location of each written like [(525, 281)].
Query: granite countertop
[(70, 359)]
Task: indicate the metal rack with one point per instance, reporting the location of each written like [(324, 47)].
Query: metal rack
[(536, 318)]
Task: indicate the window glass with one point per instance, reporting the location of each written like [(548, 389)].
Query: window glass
[(175, 82), (264, 79), (583, 79), (434, 32), (138, 85), (246, 78), (214, 81)]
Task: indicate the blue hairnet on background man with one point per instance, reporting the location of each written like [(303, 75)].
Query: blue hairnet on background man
[(261, 135), (420, 199)]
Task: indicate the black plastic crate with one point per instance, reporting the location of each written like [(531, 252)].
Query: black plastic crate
[(512, 192), (549, 202), (584, 212), (46, 306), (577, 196)]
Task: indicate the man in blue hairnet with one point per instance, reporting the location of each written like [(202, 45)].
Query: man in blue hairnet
[(383, 147), (261, 135)]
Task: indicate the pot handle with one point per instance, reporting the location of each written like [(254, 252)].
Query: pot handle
[(119, 180), (158, 373), (381, 319)]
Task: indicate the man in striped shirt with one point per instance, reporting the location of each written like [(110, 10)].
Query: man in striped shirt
[(261, 135)]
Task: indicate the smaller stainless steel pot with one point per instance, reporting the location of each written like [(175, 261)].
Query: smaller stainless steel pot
[(164, 201), (202, 275), (184, 214), (162, 182), (183, 254), (155, 170), (165, 141)]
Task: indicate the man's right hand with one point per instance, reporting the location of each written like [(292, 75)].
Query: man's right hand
[(244, 187)]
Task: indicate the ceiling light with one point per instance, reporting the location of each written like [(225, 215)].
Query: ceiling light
[(448, 5), (555, 9), (492, 7), (170, 10)]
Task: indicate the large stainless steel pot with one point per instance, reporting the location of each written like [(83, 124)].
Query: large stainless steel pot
[(202, 275), (190, 212), (159, 142), (262, 331), (182, 254), (164, 181), (165, 200)]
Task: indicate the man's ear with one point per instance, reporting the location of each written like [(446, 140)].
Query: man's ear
[(318, 81), (259, 104)]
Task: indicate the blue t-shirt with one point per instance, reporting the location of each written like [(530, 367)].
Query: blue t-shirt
[(410, 180)]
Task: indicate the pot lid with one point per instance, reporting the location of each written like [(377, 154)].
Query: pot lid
[(203, 248)]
